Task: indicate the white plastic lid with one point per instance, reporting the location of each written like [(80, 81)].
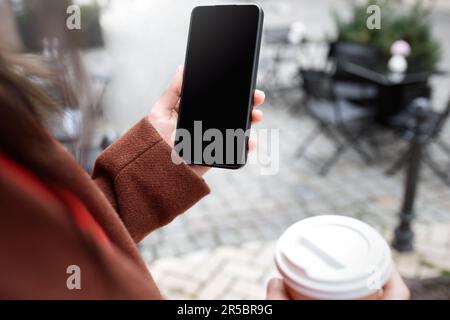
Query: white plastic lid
[(333, 257)]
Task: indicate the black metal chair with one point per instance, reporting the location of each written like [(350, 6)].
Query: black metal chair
[(435, 122), (342, 121), (342, 105), (313, 55), (347, 85)]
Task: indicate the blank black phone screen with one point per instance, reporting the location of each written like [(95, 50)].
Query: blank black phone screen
[(218, 84)]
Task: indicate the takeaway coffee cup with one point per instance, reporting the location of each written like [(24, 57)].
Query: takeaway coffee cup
[(333, 258)]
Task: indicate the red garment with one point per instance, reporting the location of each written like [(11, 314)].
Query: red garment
[(81, 216)]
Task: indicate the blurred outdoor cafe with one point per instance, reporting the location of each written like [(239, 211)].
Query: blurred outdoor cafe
[(380, 94), (365, 89)]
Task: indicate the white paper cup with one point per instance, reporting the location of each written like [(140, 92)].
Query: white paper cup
[(333, 258)]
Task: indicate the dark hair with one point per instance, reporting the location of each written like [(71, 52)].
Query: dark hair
[(23, 107), (31, 92)]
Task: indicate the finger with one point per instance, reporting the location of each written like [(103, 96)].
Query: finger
[(259, 98), (276, 291), (177, 107), (252, 144), (257, 116), (199, 170), (169, 98), (396, 289)]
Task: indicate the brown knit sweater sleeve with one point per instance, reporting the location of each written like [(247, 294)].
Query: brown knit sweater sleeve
[(146, 188)]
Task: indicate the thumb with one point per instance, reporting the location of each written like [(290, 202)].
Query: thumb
[(396, 288), (276, 290), (171, 95)]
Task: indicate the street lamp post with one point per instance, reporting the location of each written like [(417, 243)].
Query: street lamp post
[(404, 235)]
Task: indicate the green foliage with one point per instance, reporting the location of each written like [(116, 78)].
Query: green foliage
[(413, 25)]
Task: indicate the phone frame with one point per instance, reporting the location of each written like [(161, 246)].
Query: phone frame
[(253, 83)]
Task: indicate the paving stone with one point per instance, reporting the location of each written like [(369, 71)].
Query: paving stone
[(440, 235), (243, 270), (178, 284), (214, 287), (426, 272), (248, 289), (408, 264)]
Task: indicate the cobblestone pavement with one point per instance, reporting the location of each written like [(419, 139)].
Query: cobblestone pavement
[(223, 246), (242, 272)]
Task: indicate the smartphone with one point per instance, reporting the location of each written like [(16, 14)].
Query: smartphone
[(218, 85)]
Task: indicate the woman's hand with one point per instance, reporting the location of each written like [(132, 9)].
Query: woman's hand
[(164, 114), (276, 290), (395, 289)]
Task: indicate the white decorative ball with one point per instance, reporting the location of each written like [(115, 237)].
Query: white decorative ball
[(401, 48), (398, 64)]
